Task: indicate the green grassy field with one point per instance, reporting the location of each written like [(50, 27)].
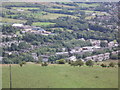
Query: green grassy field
[(42, 23), (88, 5), (9, 20), (25, 8), (60, 76)]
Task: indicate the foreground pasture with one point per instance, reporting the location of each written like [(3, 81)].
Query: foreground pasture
[(60, 76)]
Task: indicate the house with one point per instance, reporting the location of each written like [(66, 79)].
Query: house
[(82, 39), (76, 50), (87, 48), (21, 10), (1, 59), (113, 44), (45, 58), (82, 59), (95, 42), (96, 47), (88, 58), (63, 49), (34, 55), (106, 56), (17, 25), (95, 58), (72, 58), (27, 28), (62, 53), (100, 57)]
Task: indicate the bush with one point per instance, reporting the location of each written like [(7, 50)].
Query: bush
[(69, 62), (74, 64), (103, 65), (90, 63), (112, 64), (21, 64), (77, 63), (61, 61), (119, 64), (80, 63), (96, 76), (44, 64), (114, 56)]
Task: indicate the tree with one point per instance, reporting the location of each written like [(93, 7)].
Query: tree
[(80, 63), (74, 64), (90, 63), (39, 59), (14, 47), (112, 64), (86, 54), (44, 64), (21, 64), (103, 65), (23, 45), (29, 22), (103, 44)]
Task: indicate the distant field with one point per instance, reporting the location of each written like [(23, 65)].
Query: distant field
[(88, 5), (45, 15), (42, 23), (61, 29), (55, 9), (66, 6), (54, 16), (60, 76), (25, 8), (9, 20), (96, 12), (89, 17)]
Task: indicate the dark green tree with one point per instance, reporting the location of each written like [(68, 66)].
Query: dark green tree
[(89, 63)]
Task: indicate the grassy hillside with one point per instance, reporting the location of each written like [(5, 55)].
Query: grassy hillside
[(42, 23), (64, 76), (9, 20)]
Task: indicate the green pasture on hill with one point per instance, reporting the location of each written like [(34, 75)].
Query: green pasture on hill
[(42, 23), (60, 76)]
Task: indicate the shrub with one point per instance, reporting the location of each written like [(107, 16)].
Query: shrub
[(103, 65), (112, 64), (74, 64), (114, 56), (69, 62), (80, 63), (96, 77), (119, 64), (21, 64), (90, 63), (61, 61), (44, 64), (38, 62), (77, 63)]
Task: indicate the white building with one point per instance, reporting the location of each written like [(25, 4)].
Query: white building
[(89, 48), (62, 53), (95, 58), (34, 55), (106, 56), (17, 25), (88, 58), (72, 58), (100, 57)]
